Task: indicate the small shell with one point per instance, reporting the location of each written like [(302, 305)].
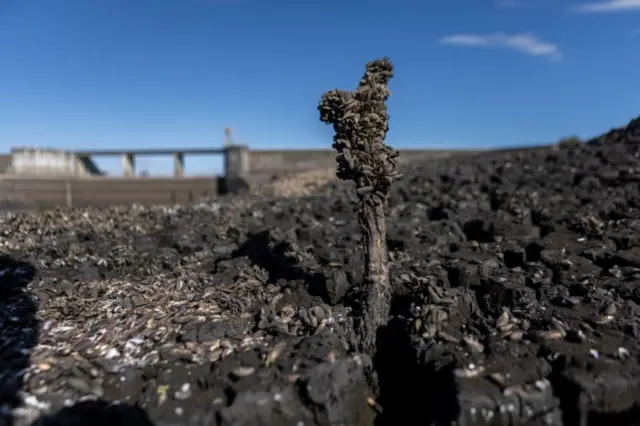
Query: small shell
[(434, 295), (287, 311), (503, 319), (622, 353), (469, 372), (430, 331), (546, 335), (363, 189), (374, 404), (319, 313), (275, 352), (441, 316), (473, 344), (604, 319), (216, 354), (498, 379), (447, 337), (507, 327), (243, 371), (514, 391), (557, 324), (516, 335), (313, 321), (610, 309)]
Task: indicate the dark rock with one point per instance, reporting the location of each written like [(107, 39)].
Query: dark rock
[(240, 309)]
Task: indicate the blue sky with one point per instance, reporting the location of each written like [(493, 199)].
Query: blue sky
[(85, 74)]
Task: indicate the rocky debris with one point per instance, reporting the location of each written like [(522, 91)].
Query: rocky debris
[(515, 301)]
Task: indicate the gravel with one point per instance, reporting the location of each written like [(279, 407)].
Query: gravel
[(516, 301)]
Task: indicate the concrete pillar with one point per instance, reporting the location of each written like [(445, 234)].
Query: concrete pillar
[(236, 161), (236, 169), (129, 165), (178, 164)]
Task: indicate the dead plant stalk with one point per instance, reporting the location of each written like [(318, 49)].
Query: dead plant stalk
[(361, 122)]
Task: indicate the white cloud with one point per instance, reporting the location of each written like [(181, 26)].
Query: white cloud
[(607, 6), (525, 43)]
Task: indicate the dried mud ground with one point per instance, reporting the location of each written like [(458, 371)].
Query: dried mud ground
[(517, 291)]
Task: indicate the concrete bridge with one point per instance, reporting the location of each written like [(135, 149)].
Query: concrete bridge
[(41, 162), (128, 157)]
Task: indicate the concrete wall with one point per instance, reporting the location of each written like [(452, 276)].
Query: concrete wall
[(264, 163), (45, 162), (48, 192), (5, 163)]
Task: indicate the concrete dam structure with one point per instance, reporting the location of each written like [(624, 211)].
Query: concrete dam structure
[(45, 177)]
